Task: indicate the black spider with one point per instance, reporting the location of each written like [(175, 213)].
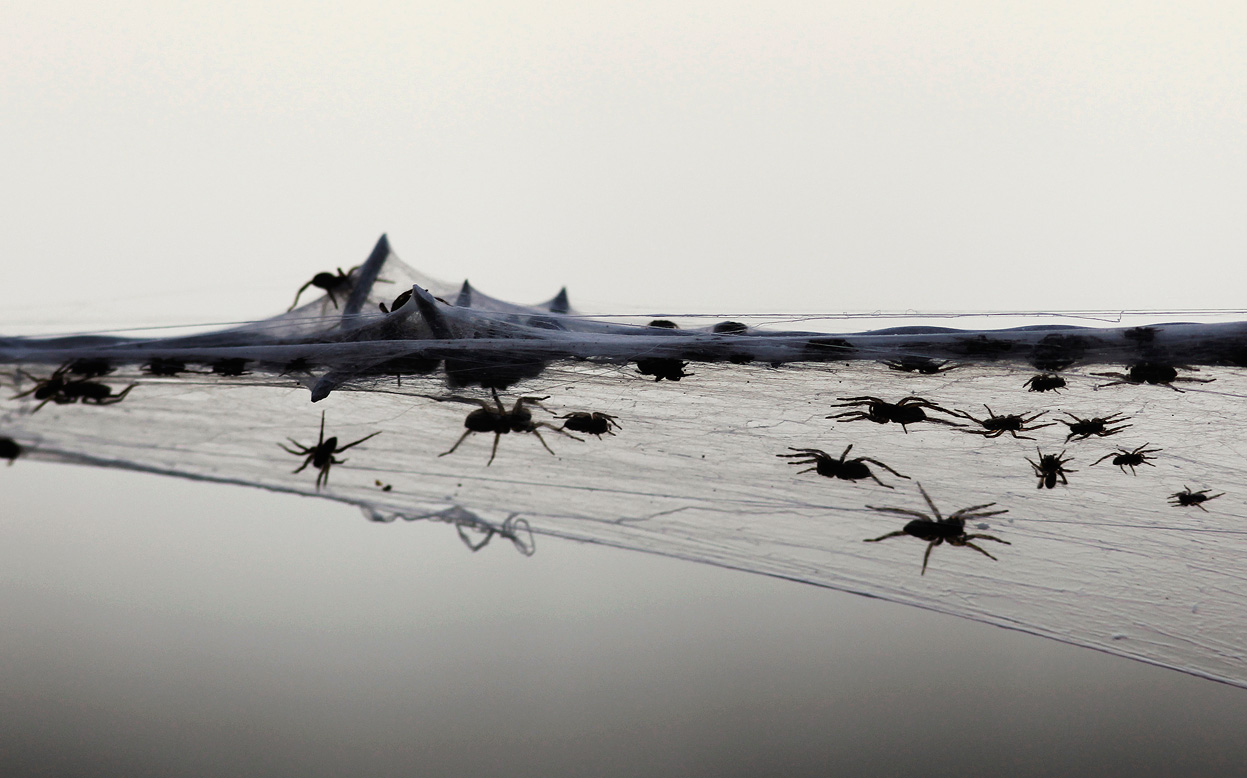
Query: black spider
[(327, 281), (1100, 426), (1151, 373), (594, 423), (662, 367), (322, 454), (1045, 382), (937, 530), (994, 426), (907, 411), (230, 366), (845, 470), (56, 389), (1186, 498), (923, 365), (10, 449), (399, 302), (498, 420), (165, 366), (1131, 459), (90, 367), (1050, 467)]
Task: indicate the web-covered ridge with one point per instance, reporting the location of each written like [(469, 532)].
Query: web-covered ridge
[(384, 319)]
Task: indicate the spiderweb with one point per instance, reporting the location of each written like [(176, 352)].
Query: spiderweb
[(701, 426)]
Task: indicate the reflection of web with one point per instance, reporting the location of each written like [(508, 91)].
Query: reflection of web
[(699, 464)]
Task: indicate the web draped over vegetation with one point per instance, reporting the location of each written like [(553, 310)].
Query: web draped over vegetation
[(724, 443)]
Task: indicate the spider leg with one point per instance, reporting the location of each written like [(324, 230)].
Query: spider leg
[(943, 421), (321, 439), (543, 440), (934, 510), (501, 410), (845, 453), (302, 450), (896, 534), (977, 536), (899, 512), (322, 477), (979, 549), (493, 452), (519, 403), (881, 483), (927, 556), (559, 430), (1114, 430), (850, 415), (356, 443), (332, 299), (1106, 456), (460, 440), (973, 512), (466, 400), (303, 466), (885, 467), (115, 398), (808, 469), (298, 295)]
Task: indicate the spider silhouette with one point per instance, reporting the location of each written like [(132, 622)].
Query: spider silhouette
[(10, 449), (57, 389), (1131, 459), (594, 423), (327, 281), (1100, 426), (1186, 498), (1045, 382), (907, 411), (845, 470), (994, 426), (498, 420), (399, 302), (1152, 373), (1050, 467), (937, 530), (322, 454)]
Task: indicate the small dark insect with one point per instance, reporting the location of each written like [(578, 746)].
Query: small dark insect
[(845, 470), (327, 281), (90, 367), (322, 454), (594, 423), (729, 328), (907, 411), (664, 324), (1045, 382), (1100, 426), (56, 389), (1050, 467), (923, 365), (994, 426), (937, 530), (1186, 498), (1131, 459), (498, 420), (662, 367), (230, 366), (10, 449), (1151, 373), (383, 487), (399, 302), (165, 366)]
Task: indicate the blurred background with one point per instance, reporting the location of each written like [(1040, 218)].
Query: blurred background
[(197, 163)]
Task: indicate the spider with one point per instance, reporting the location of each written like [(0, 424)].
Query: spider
[(165, 366), (10, 449), (1100, 426), (322, 454), (994, 426), (845, 470), (498, 420), (1151, 373), (399, 302), (924, 365), (1045, 382), (951, 530), (230, 366), (662, 367), (1186, 498), (1131, 459), (327, 281), (90, 367), (594, 423), (907, 411), (1051, 467), (58, 390)]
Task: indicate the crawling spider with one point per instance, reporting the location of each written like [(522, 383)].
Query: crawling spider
[(165, 366), (10, 449), (1151, 373), (327, 281), (1100, 426), (498, 420), (1187, 498), (322, 454), (1050, 467), (845, 470), (1045, 382), (594, 423), (907, 411), (914, 364), (1131, 459), (994, 426), (937, 530), (56, 389), (662, 367)]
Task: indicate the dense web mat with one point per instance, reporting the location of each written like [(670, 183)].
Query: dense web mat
[(1101, 466)]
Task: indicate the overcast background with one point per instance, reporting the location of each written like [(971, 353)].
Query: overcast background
[(197, 163)]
